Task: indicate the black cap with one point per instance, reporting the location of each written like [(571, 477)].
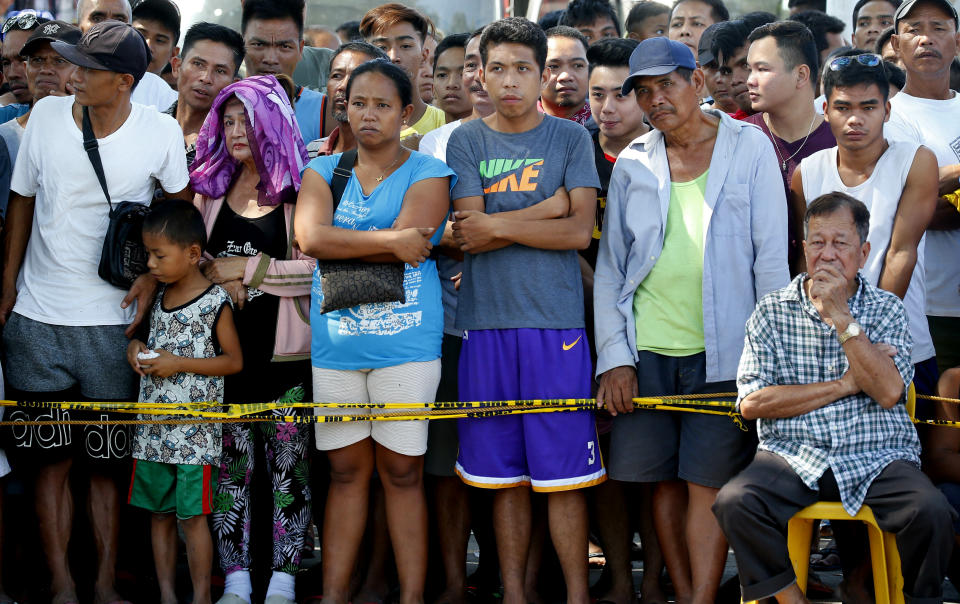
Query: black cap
[(165, 10), (905, 8), (52, 31), (109, 46), (704, 54)]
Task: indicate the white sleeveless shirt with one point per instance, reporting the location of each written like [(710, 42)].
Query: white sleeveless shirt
[(881, 194)]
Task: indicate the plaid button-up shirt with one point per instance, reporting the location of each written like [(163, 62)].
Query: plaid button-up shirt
[(788, 343)]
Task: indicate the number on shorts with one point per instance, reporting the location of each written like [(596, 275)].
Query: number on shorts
[(593, 454)]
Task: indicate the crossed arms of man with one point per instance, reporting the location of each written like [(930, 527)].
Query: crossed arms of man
[(872, 368)]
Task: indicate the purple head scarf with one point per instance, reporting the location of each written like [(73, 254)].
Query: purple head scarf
[(272, 133)]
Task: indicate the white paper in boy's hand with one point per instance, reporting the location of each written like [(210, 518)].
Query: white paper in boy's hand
[(148, 354)]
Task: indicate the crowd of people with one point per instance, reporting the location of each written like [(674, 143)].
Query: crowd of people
[(676, 203)]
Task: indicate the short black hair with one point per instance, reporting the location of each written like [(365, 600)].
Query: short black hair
[(831, 202), (611, 52), (755, 19), (643, 10), (584, 12), (885, 36), (167, 18), (794, 43), (516, 30), (855, 74), (352, 30), (272, 9), (718, 10), (213, 32), (359, 46), (551, 19), (820, 24), (859, 5), (565, 31), (448, 42), (820, 5), (177, 220), (896, 75), (384, 67), (728, 38)]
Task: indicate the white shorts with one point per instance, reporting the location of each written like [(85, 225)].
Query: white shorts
[(406, 383)]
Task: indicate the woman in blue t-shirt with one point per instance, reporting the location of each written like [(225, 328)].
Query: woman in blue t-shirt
[(390, 210)]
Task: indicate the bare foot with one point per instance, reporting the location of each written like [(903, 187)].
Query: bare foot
[(449, 596), (67, 596), (108, 596)]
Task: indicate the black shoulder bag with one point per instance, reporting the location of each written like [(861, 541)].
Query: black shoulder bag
[(349, 283), (123, 258)]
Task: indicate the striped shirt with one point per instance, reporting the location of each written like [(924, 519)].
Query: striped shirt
[(787, 342)]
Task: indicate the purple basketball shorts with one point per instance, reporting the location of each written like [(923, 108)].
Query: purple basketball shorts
[(552, 451)]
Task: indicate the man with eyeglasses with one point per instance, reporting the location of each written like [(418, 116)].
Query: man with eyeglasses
[(824, 371), (927, 112), (47, 73)]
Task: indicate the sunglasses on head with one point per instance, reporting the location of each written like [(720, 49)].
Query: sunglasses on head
[(866, 59)]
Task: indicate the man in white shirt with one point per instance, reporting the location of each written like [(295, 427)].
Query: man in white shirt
[(65, 328), (151, 90), (927, 111)]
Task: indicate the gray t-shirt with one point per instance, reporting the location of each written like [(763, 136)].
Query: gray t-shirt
[(519, 286)]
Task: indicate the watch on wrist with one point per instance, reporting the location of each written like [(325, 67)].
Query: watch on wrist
[(853, 330)]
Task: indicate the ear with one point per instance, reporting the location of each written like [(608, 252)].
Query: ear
[(544, 77), (176, 52), (300, 49), (126, 82), (424, 53), (895, 43), (175, 63), (886, 108), (406, 113), (195, 253), (803, 75), (482, 75), (864, 253), (698, 80)]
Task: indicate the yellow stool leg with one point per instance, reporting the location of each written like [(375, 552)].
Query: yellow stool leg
[(878, 558), (894, 573), (799, 534)]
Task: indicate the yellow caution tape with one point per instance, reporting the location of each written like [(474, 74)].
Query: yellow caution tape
[(203, 412)]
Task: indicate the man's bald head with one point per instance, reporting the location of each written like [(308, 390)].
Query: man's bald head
[(91, 12)]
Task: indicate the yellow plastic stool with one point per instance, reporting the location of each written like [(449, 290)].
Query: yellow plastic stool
[(887, 576)]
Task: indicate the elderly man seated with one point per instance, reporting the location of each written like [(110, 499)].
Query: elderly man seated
[(825, 367)]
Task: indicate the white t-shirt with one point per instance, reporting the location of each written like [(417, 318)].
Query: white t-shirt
[(881, 194), (58, 282), (153, 91), (435, 142), (12, 133), (936, 125)]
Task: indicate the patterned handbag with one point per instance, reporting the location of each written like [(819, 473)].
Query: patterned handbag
[(349, 283)]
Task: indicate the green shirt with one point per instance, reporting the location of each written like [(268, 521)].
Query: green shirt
[(668, 304)]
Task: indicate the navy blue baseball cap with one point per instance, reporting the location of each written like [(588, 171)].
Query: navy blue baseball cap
[(657, 56), (108, 46)]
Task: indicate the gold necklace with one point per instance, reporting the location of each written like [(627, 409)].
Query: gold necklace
[(380, 178)]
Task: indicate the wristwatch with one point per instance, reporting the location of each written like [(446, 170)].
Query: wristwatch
[(853, 330)]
